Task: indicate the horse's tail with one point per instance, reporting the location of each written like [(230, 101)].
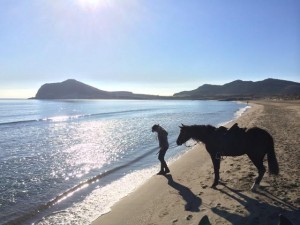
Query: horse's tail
[(272, 160)]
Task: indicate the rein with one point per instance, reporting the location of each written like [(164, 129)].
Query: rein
[(190, 146)]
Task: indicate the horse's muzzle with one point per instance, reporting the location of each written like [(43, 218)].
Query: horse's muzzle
[(178, 142)]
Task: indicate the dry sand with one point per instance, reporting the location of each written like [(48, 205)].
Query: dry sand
[(185, 196)]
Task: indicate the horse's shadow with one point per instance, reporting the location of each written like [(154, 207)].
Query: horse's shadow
[(193, 202), (256, 208)]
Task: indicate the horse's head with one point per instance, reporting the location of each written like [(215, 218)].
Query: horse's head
[(184, 135), (197, 132)]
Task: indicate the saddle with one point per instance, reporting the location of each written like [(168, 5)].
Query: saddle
[(233, 139), (235, 130)]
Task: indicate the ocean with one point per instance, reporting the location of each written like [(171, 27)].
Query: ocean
[(69, 161)]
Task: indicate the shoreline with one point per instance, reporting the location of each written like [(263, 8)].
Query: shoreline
[(195, 148), (185, 196)]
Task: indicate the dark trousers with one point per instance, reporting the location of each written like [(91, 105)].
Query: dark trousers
[(161, 158)]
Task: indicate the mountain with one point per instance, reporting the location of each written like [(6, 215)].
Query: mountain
[(244, 89), (238, 89), (73, 89)]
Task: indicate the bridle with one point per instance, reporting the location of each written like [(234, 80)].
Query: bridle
[(192, 145)]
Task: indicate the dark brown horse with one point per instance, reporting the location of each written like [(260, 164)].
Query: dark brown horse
[(254, 142)]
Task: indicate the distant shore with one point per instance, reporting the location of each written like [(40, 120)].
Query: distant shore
[(185, 196)]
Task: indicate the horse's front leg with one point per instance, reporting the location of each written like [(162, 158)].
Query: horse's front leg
[(216, 163)]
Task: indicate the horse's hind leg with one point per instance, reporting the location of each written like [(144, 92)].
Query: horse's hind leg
[(216, 163), (258, 162)]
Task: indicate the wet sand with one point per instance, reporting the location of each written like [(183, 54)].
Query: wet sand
[(184, 196)]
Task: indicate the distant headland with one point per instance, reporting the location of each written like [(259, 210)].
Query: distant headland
[(73, 89), (236, 90)]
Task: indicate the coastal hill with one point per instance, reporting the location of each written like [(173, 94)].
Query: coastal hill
[(244, 89), (236, 90), (73, 89)]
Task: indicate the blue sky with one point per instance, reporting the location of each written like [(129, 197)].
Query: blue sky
[(146, 46)]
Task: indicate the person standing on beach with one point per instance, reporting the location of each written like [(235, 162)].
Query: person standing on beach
[(162, 135)]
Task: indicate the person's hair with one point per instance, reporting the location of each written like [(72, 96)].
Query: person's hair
[(155, 127)]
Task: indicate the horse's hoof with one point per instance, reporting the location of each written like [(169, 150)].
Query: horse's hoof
[(255, 187), (222, 182), (214, 185)]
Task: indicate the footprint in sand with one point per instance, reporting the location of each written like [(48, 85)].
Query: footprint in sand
[(175, 221), (189, 217), (164, 213)]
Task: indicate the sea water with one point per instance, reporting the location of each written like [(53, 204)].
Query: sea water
[(69, 161)]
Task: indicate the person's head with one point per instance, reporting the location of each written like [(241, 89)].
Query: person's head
[(155, 127)]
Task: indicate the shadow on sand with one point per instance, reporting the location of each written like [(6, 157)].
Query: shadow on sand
[(257, 210), (193, 202)]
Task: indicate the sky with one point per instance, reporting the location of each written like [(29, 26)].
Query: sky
[(156, 47)]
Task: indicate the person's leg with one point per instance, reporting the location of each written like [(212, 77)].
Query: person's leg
[(163, 164), (161, 159)]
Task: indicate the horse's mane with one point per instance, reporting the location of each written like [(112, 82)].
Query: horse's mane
[(197, 127), (203, 129)]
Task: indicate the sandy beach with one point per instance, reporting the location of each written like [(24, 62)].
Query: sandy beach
[(184, 196)]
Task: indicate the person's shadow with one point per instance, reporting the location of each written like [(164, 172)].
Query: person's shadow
[(193, 202), (255, 208)]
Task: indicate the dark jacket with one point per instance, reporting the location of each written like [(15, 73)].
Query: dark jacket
[(162, 135)]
